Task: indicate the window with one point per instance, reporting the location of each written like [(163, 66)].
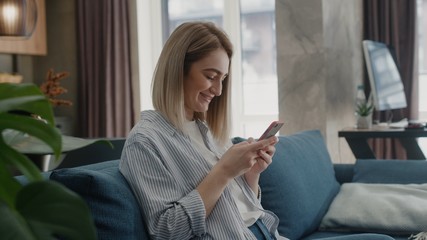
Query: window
[(422, 51), (422, 65), (251, 27)]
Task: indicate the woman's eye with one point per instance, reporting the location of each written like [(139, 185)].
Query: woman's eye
[(210, 77)]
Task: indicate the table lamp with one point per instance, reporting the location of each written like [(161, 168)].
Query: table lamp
[(22, 29), (18, 18)]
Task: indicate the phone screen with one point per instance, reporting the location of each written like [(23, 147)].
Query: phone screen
[(271, 130)]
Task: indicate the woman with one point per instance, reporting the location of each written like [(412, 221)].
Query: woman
[(177, 159)]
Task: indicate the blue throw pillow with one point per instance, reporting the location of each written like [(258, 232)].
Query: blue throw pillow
[(114, 208), (390, 171), (300, 184)]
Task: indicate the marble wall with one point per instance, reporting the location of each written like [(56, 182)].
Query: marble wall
[(320, 63)]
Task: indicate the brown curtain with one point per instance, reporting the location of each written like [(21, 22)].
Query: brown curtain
[(393, 22), (105, 87)]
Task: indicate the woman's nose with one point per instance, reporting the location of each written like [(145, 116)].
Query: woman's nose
[(216, 88)]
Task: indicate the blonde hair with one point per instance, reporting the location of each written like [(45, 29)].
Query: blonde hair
[(189, 43)]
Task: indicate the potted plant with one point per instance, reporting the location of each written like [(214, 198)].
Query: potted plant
[(364, 115), (39, 209)]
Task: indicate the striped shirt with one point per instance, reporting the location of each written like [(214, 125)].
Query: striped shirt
[(249, 212), (163, 169)]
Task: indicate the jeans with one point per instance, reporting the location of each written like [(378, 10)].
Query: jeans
[(260, 231)]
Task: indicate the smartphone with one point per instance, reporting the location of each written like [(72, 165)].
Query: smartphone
[(271, 130)]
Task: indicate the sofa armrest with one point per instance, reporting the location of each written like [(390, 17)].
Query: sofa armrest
[(344, 172)]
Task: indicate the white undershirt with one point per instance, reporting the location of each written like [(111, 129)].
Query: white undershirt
[(248, 211)]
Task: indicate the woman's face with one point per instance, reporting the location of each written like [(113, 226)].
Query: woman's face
[(204, 81)]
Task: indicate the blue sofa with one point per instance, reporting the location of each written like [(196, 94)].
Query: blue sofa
[(299, 186)]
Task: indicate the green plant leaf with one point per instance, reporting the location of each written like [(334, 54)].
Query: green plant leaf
[(13, 158), (364, 109), (24, 97), (12, 225), (16, 102), (40, 209), (34, 127), (10, 186), (50, 210)]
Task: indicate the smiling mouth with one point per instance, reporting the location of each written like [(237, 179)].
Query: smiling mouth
[(206, 97)]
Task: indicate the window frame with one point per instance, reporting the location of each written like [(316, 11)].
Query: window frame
[(151, 17)]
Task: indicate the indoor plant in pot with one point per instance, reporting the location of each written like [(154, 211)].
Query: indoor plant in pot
[(39, 209), (364, 115)]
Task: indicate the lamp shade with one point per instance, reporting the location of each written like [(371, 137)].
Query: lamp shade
[(17, 17)]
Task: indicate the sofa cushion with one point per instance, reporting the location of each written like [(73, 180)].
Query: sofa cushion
[(114, 208), (390, 171), (300, 183), (391, 209)]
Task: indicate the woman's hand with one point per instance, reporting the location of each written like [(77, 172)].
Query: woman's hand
[(237, 160), (264, 159), (248, 156)]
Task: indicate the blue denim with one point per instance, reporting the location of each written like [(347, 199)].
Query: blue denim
[(260, 231)]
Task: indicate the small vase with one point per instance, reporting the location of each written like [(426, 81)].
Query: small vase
[(364, 122)]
